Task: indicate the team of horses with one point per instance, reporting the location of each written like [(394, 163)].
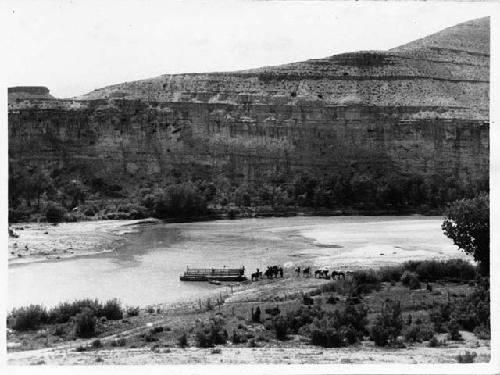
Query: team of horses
[(271, 272), (322, 273)]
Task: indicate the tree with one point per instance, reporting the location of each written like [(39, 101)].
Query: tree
[(467, 223)]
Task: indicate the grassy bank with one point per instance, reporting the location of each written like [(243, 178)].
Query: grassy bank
[(375, 308)]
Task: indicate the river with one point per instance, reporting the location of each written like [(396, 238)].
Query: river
[(145, 270)]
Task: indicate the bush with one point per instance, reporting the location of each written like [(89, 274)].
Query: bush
[(133, 311), (453, 331), (434, 342), (119, 342), (365, 282), (340, 328), (482, 332), (329, 338), (85, 323), (54, 213), (63, 312), (414, 283), (410, 279), (388, 324), (28, 318), (96, 344), (332, 300), (180, 200), (467, 357), (301, 317), (256, 315), (239, 337), (182, 341), (433, 270), (213, 333), (417, 333), (407, 276), (389, 274), (112, 310), (306, 300), (280, 325)]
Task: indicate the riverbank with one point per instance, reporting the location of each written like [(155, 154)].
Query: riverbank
[(152, 337), (37, 242)]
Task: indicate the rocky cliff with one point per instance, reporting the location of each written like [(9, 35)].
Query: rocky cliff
[(419, 109)]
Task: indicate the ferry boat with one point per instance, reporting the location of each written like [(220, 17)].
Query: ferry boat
[(219, 274)]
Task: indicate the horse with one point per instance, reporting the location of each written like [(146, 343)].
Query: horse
[(337, 273), (257, 275), (322, 273), (272, 271), (306, 271)]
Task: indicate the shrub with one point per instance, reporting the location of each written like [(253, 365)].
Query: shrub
[(340, 328), (59, 331), (112, 310), (467, 357), (380, 335), (329, 338), (407, 277), (158, 329), (54, 213), (180, 200), (256, 315), (434, 342), (388, 324), (239, 337), (482, 332), (149, 337), (433, 270), (133, 311), (332, 300), (85, 323), (365, 282), (306, 300), (280, 325), (453, 331), (389, 274), (417, 333), (182, 341), (119, 342), (63, 312), (28, 318), (96, 344), (213, 333), (301, 317), (414, 283)]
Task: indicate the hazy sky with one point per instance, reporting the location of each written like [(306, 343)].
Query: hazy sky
[(73, 47)]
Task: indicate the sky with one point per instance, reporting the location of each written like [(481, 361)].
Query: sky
[(73, 47)]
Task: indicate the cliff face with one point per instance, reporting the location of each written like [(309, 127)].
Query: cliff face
[(418, 109)]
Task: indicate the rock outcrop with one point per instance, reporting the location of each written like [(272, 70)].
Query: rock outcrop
[(419, 109)]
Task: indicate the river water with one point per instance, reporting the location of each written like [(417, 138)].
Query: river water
[(146, 269)]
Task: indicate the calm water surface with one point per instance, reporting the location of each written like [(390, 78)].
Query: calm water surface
[(146, 270)]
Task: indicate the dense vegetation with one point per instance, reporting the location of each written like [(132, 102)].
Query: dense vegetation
[(66, 195), (82, 314), (467, 223)]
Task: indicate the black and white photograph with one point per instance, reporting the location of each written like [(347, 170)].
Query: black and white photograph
[(295, 185)]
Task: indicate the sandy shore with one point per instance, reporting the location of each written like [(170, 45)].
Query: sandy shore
[(44, 241)]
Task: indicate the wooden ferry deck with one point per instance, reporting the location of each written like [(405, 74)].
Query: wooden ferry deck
[(220, 274)]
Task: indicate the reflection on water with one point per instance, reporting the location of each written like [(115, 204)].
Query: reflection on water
[(146, 270)]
